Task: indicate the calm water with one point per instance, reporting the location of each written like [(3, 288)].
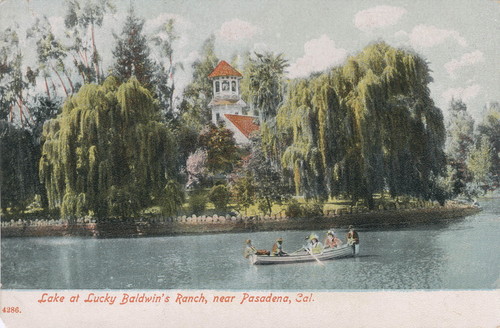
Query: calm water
[(458, 254)]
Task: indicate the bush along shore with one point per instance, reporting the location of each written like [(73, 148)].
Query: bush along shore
[(179, 225)]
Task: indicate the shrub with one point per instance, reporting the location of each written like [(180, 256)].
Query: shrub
[(219, 195), (197, 203), (312, 210), (172, 199), (293, 209)]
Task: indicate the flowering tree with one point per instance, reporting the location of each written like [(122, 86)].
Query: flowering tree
[(196, 167)]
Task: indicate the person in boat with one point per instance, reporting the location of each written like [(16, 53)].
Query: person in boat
[(317, 246), (331, 240), (353, 239), (278, 248), (314, 246), (308, 246), (249, 249)]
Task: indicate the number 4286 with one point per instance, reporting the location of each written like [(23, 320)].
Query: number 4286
[(11, 309)]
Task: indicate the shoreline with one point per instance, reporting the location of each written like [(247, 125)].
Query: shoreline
[(193, 225)]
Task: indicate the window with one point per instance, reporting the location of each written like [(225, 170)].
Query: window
[(217, 86), (233, 86), (217, 117), (225, 86)]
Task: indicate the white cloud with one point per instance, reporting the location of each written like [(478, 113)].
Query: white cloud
[(155, 27), (401, 35), (191, 58), (426, 36), (260, 47), (376, 17), (467, 59), (151, 26), (319, 54), (465, 94), (237, 29)]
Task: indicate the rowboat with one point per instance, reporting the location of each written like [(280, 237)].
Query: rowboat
[(303, 256)]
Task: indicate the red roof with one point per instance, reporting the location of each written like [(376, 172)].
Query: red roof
[(244, 123), (224, 69)]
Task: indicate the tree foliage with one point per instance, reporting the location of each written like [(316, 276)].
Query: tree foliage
[(51, 55), (106, 154), (490, 128), (132, 53), (14, 83), (479, 163), (243, 189), (219, 195), (459, 143), (196, 167), (17, 170), (81, 19), (173, 198), (164, 41), (221, 148), (198, 93), (362, 128), (269, 184), (264, 85)]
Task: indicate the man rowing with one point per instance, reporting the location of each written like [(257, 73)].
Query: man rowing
[(278, 248)]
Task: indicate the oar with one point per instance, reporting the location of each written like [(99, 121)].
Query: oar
[(323, 264), (297, 251)]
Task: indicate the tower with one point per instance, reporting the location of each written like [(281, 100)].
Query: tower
[(227, 106), (226, 92)]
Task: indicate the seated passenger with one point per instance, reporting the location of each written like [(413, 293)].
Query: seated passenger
[(308, 246), (278, 248), (331, 240), (317, 247), (314, 246)]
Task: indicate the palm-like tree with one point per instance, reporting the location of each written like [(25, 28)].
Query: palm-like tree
[(266, 83)]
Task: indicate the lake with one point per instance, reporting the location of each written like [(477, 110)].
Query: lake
[(453, 254)]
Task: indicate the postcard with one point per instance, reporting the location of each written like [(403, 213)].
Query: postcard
[(249, 163)]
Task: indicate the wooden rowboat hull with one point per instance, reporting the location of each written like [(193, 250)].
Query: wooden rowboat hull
[(328, 254)]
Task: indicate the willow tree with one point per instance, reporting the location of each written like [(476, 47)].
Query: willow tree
[(298, 118), (107, 154), (362, 128)]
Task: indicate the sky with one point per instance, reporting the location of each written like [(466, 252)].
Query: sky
[(459, 38)]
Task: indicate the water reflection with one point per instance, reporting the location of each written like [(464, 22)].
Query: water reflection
[(456, 254)]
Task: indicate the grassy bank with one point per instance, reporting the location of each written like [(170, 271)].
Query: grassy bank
[(164, 226)]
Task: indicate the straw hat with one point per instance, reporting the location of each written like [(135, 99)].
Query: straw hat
[(313, 236)]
